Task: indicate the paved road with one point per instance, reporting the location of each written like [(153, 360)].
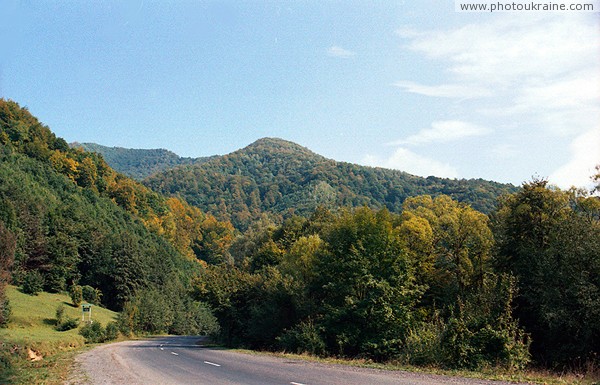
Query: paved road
[(183, 360)]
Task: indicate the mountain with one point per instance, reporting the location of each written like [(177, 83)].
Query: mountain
[(279, 177), (138, 163)]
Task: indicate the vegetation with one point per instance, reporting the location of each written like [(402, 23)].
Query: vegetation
[(550, 241), (328, 258), (136, 163), (67, 220), (31, 346), (277, 177)]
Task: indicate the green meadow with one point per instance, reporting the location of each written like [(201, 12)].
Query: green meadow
[(31, 349)]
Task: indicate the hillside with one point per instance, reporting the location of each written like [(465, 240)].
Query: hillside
[(65, 214), (277, 177), (138, 163)]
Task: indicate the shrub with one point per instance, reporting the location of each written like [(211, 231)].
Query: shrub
[(91, 295), (60, 314), (67, 324), (112, 331), (423, 343), (303, 338), (93, 333), (5, 311), (76, 293), (64, 323), (33, 283)]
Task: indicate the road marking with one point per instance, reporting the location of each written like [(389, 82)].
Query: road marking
[(211, 363), (296, 383), (175, 354)]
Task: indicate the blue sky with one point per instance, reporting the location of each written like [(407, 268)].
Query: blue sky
[(414, 86)]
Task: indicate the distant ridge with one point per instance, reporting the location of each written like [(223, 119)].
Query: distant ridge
[(138, 163), (277, 177)]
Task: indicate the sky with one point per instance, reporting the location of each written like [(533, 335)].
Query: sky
[(408, 85)]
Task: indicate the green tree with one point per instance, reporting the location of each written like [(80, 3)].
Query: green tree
[(550, 243), (365, 286), (7, 254), (450, 241)]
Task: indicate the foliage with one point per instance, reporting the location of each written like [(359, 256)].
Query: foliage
[(111, 331), (7, 255), (302, 338), (277, 177), (64, 323), (137, 163), (451, 243), (549, 240), (76, 293), (33, 283), (93, 332), (91, 294), (167, 311)]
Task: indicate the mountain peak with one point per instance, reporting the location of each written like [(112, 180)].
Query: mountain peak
[(277, 146)]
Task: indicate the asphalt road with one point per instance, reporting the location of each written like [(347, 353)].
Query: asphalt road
[(183, 360)]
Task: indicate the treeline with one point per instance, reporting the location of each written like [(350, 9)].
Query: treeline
[(278, 178), (439, 284)]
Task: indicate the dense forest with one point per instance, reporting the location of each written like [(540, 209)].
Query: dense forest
[(439, 284), (327, 258), (278, 178), (138, 163)]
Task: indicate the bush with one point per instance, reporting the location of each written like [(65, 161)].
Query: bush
[(482, 331), (67, 324), (424, 343), (33, 283), (303, 338), (93, 333), (5, 311), (91, 295), (60, 314), (76, 293), (112, 331), (64, 323)]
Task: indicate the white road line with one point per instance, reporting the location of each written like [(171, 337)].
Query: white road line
[(211, 363), (175, 354), (296, 383)]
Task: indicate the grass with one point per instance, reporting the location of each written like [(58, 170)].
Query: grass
[(31, 330), (533, 376)]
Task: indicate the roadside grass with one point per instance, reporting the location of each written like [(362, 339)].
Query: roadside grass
[(531, 375), (35, 351)]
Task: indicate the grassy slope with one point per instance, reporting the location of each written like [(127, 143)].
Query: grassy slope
[(31, 327)]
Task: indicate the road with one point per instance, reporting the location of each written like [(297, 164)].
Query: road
[(183, 360)]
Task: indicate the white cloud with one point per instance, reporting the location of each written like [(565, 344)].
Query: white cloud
[(539, 73), (444, 131), (405, 160), (510, 47), (340, 52), (444, 90), (585, 155)]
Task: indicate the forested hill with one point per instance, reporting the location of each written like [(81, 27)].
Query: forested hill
[(138, 163), (276, 176), (67, 218)]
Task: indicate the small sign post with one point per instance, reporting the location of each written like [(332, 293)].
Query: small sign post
[(86, 308)]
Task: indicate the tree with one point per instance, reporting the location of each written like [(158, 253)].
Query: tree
[(7, 254), (547, 240), (450, 241), (365, 286)]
